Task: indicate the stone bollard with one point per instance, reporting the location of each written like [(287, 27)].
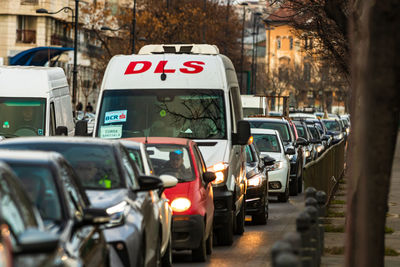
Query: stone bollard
[(294, 239), (310, 192), (278, 248), (314, 234), (321, 198), (287, 259), (303, 228)]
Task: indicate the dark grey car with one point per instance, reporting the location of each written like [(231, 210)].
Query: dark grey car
[(112, 182)]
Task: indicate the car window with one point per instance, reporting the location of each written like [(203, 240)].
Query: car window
[(39, 182), (301, 131), (282, 128), (314, 132), (249, 155), (267, 142), (332, 125), (171, 159), (15, 206), (135, 155), (134, 183)]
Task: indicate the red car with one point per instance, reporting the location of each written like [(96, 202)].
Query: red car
[(191, 199)]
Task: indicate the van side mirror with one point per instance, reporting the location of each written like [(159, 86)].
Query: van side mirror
[(81, 128), (62, 130), (208, 177), (243, 133)]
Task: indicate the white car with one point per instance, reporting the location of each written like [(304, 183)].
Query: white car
[(269, 143), (138, 153)]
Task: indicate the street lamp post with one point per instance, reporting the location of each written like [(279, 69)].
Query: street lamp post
[(255, 21), (244, 4), (75, 19)]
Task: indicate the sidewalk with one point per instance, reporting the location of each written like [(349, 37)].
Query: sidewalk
[(334, 222)]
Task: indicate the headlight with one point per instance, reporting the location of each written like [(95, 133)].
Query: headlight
[(117, 214), (348, 130), (277, 165), (180, 204), (255, 181), (290, 157), (220, 170), (307, 154), (320, 148), (339, 136)]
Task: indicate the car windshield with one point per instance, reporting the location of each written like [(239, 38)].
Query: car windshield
[(95, 165), (39, 183), (171, 159), (195, 114), (282, 128), (332, 125), (22, 116), (267, 143)]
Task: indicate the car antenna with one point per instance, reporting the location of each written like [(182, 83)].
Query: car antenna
[(147, 123)]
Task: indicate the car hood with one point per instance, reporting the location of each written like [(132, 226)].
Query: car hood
[(180, 190), (276, 156), (106, 198)]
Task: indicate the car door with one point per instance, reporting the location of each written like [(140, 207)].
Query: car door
[(206, 190), (85, 242)]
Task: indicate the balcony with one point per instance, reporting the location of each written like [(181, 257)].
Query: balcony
[(26, 36)]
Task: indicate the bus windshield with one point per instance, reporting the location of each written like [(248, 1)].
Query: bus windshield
[(22, 116), (194, 114)]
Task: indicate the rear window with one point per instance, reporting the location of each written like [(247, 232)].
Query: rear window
[(282, 128), (301, 131), (267, 143)]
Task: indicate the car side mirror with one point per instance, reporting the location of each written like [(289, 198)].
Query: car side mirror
[(325, 138), (168, 180), (94, 216), (290, 151), (243, 133), (36, 241), (81, 128), (208, 177), (148, 183), (62, 130), (2, 138), (301, 142), (315, 141), (269, 161)]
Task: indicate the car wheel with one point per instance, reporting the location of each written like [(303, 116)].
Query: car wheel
[(200, 254), (240, 220), (225, 234), (293, 187), (166, 260), (300, 183), (262, 217), (284, 197), (209, 245)]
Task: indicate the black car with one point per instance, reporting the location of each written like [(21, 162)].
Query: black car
[(55, 190), (257, 184), (28, 242), (290, 143), (112, 182), (317, 139), (310, 152), (335, 129)]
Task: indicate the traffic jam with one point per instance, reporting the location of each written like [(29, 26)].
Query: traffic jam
[(170, 167)]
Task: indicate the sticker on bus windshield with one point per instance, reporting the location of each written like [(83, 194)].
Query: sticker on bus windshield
[(111, 131), (115, 116)]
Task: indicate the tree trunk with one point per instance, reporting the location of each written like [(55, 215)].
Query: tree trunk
[(374, 116)]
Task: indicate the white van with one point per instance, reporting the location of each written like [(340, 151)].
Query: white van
[(254, 105), (188, 91), (34, 101)]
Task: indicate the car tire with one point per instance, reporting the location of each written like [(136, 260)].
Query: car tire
[(284, 197), (240, 218), (293, 187), (166, 260), (209, 244), (200, 254), (225, 234), (262, 217)]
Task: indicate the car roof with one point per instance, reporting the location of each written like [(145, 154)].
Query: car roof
[(161, 140), (59, 140), (131, 143), (263, 131), (29, 156), (279, 120)]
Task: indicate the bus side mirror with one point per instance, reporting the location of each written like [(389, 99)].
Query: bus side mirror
[(81, 128), (243, 133)]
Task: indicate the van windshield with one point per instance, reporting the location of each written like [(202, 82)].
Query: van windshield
[(194, 114), (22, 116)]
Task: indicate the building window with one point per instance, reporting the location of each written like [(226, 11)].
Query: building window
[(278, 43), (307, 72), (29, 2), (291, 43), (26, 31)]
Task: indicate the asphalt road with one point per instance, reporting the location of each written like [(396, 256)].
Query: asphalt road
[(253, 247)]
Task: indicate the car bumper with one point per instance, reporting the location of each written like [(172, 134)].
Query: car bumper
[(277, 176), (254, 198), (187, 231), (223, 203)]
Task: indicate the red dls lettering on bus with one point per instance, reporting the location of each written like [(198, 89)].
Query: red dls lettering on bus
[(143, 66), (194, 65), (161, 67)]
